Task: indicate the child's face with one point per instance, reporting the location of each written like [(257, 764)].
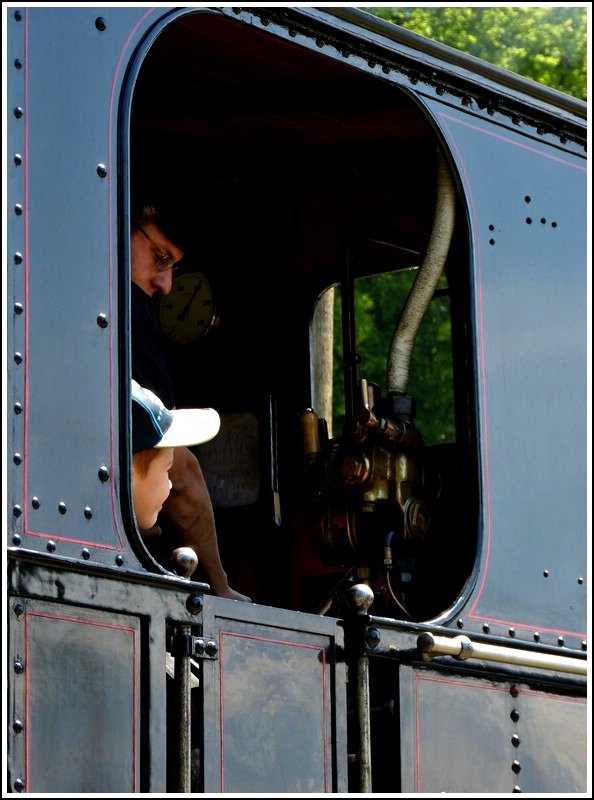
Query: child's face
[(151, 486)]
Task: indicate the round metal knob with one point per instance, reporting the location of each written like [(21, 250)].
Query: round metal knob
[(360, 597), (183, 562)]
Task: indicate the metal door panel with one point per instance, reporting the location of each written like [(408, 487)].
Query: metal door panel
[(274, 701), (76, 686), (467, 734)]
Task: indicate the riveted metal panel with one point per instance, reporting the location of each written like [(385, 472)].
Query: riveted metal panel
[(77, 685), (529, 276), (274, 701), (64, 275), (467, 734), (92, 644)]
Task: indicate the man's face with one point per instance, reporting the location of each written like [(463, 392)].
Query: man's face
[(145, 250)]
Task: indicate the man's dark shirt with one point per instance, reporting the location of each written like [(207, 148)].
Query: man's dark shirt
[(149, 367)]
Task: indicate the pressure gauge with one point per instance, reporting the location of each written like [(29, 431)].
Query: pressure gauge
[(188, 311)]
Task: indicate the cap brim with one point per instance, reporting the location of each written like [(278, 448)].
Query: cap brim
[(191, 426)]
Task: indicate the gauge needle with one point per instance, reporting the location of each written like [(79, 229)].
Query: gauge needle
[(184, 313)]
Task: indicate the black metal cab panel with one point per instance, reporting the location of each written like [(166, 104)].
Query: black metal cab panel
[(528, 271), (274, 701), (520, 726), (62, 179), (305, 154)]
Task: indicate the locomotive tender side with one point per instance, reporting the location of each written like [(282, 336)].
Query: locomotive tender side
[(392, 243)]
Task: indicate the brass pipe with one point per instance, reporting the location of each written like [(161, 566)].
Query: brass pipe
[(462, 648)]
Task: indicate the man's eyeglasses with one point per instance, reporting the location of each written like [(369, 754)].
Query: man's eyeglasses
[(163, 260)]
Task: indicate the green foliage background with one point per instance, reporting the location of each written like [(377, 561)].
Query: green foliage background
[(544, 43)]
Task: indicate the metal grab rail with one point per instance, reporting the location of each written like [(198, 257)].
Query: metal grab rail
[(462, 648)]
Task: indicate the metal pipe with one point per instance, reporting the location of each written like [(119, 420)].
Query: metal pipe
[(183, 684), (364, 720), (425, 283), (462, 648)]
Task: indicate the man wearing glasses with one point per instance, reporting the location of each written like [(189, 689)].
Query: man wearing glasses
[(153, 257)]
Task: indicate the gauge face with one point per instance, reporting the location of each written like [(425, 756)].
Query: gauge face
[(188, 311)]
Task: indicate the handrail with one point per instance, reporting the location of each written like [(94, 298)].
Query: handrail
[(462, 648)]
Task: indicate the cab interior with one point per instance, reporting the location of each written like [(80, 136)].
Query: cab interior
[(297, 176)]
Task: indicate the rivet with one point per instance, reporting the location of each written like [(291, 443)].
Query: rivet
[(543, 221), (440, 90), (18, 358), (100, 24), (211, 647), (563, 140), (119, 560), (560, 641), (540, 131), (491, 227), (19, 784), (35, 502), (18, 258), (103, 473), (516, 767), (18, 159), (515, 715), (320, 42), (386, 69), (536, 636), (528, 220), (17, 511), (553, 224), (18, 16), (371, 63), (514, 691), (18, 209), (102, 321), (517, 790), (491, 242), (18, 63), (460, 623), (17, 458), (18, 667), (18, 726), (85, 553), (101, 170), (527, 199), (16, 540), (199, 646), (516, 120), (515, 740), (18, 408), (584, 644), (19, 609), (18, 112), (512, 632), (51, 546), (18, 308), (466, 101), (62, 508), (486, 628), (580, 580), (194, 603), (372, 637), (88, 512), (292, 33)]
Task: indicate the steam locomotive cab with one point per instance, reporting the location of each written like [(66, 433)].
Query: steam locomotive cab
[(382, 294)]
